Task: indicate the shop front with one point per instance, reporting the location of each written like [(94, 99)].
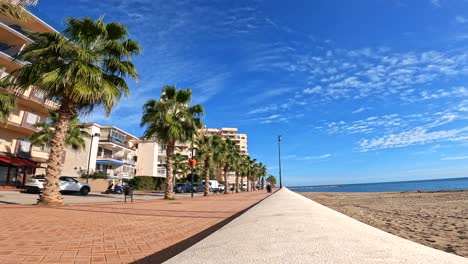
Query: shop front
[(15, 171)]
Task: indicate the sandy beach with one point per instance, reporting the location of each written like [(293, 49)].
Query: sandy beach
[(435, 219)]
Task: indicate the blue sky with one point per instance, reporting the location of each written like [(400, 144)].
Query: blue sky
[(362, 91)]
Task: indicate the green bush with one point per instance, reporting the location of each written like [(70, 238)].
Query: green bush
[(147, 183)]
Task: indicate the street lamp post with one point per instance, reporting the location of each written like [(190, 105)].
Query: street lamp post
[(279, 160), (89, 157)]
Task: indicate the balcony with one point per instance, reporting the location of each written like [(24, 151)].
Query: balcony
[(23, 148)]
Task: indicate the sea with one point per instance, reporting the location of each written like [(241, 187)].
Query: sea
[(402, 186)]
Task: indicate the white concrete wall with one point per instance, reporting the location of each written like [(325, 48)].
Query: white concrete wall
[(147, 159)]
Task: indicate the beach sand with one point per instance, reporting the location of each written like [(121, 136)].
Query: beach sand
[(434, 219)]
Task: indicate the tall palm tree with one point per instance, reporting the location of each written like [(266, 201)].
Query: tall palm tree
[(205, 149), (244, 169), (226, 160), (75, 137), (85, 68), (262, 174), (251, 174), (171, 120)]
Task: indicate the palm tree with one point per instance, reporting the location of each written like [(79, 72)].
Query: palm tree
[(75, 135), (237, 159), (85, 68), (205, 152), (263, 172), (226, 159), (180, 165), (171, 119), (7, 106), (271, 180), (251, 174)]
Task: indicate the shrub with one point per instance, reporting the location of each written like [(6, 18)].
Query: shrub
[(146, 183)]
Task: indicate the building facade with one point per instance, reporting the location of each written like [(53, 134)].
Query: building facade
[(109, 149), (19, 159), (233, 135)]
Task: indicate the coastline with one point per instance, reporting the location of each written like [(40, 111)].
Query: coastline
[(437, 219)]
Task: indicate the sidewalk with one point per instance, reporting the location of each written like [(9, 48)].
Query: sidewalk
[(289, 228), (113, 232)]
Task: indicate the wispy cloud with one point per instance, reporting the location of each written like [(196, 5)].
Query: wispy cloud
[(360, 110), (304, 158), (455, 158)]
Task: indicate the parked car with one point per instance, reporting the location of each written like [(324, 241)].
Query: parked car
[(214, 185), (183, 188), (35, 184), (200, 187), (67, 184)]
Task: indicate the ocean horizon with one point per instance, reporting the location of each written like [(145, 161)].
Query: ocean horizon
[(450, 184)]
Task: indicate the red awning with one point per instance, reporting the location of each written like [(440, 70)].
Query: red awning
[(17, 162)]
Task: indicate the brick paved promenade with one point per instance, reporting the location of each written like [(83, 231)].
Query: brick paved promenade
[(145, 231)]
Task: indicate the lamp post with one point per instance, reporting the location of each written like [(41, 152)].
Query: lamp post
[(279, 160), (89, 157)]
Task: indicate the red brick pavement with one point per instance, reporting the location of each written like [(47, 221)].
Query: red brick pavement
[(145, 231)]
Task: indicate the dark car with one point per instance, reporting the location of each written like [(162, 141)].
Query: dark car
[(199, 187), (182, 188)]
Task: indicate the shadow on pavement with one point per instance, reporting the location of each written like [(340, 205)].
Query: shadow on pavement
[(166, 254)]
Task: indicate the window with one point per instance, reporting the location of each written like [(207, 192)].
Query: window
[(31, 118), (117, 137)]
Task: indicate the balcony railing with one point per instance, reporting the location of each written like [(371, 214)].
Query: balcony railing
[(115, 157), (23, 148)]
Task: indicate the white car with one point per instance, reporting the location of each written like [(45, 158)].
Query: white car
[(67, 184)]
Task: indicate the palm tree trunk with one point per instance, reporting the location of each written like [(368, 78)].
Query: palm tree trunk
[(50, 196), (206, 191), (242, 183), (248, 184), (169, 192), (237, 182), (225, 180)]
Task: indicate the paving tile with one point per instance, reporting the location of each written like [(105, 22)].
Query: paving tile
[(111, 232)]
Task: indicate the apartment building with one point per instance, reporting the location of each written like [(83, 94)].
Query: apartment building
[(18, 158), (109, 149), (151, 159), (239, 139)]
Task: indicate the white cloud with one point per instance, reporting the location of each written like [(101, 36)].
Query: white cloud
[(417, 136), (455, 158), (317, 89)]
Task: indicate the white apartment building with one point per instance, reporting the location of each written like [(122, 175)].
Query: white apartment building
[(110, 150)]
